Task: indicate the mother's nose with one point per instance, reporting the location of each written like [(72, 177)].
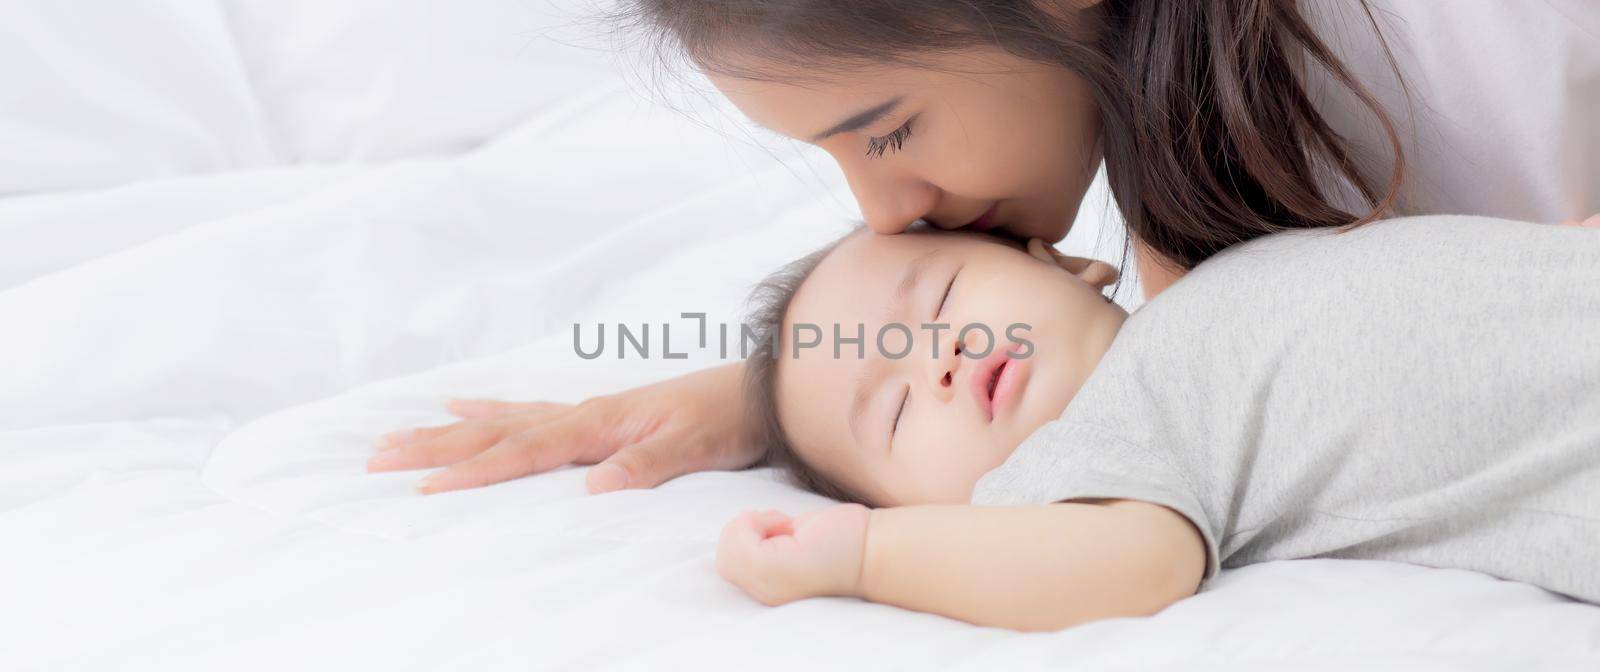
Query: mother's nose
[(890, 200)]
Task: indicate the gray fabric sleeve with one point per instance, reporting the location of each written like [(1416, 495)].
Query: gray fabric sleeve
[(1064, 461)]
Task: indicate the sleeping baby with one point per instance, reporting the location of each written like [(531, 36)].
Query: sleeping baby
[(1420, 390)]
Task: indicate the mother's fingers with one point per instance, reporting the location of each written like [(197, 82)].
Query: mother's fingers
[(479, 409), (405, 436), (457, 442), (1092, 271), (467, 410), (515, 455), (646, 464)]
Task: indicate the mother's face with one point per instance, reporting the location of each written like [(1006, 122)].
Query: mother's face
[(977, 138)]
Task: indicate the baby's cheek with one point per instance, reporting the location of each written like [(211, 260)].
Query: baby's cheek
[(986, 459), (950, 480)]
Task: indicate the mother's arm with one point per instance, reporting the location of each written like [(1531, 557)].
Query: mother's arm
[(640, 437)]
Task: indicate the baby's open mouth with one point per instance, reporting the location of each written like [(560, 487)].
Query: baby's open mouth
[(996, 382), (987, 383), (994, 379)]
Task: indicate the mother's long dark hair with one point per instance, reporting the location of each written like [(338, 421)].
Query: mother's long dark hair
[(1209, 135)]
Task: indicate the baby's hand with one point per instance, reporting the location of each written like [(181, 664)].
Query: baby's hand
[(778, 559), (1592, 222)]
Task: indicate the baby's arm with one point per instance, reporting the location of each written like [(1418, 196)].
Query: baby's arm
[(1592, 222), (1025, 567), (1032, 567)]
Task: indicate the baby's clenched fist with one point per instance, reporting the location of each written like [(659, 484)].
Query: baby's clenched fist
[(778, 559)]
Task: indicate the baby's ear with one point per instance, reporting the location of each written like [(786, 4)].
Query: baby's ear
[(1098, 274)]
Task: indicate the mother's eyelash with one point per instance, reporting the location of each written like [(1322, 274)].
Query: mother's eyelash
[(895, 140)]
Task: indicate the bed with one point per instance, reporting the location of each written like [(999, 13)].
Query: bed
[(228, 263)]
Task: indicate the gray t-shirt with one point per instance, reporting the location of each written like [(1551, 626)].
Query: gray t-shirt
[(1422, 390)]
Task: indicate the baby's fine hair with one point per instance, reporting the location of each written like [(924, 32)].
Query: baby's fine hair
[(767, 306)]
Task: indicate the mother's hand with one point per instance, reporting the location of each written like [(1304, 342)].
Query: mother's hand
[(640, 438)]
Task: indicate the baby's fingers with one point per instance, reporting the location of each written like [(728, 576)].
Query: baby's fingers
[(741, 546), (741, 532), (739, 538), (752, 527), (773, 523), (743, 535)]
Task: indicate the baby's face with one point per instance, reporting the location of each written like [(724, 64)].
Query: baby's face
[(923, 428)]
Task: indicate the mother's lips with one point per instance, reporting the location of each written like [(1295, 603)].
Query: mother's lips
[(985, 221)]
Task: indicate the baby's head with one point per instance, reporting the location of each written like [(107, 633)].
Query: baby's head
[(875, 426)]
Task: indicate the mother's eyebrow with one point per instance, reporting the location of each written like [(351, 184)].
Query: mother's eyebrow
[(860, 119)]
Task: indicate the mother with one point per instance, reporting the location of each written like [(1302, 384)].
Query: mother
[(1217, 121)]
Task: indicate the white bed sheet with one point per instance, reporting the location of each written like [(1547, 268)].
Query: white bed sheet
[(192, 371)]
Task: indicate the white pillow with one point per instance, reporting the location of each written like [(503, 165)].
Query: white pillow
[(97, 93), (363, 80)]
